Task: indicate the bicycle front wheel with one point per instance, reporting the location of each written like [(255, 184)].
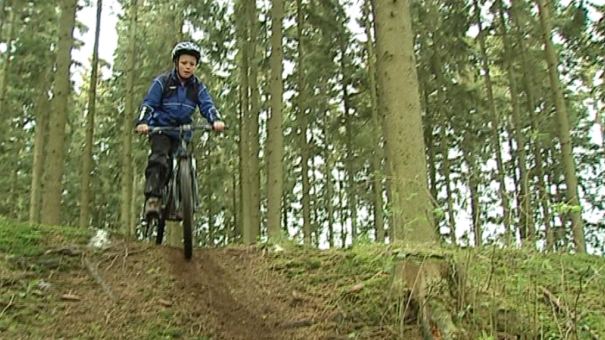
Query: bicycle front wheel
[(159, 236), (187, 206)]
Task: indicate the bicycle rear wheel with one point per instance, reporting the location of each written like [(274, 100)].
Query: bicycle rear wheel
[(187, 206)]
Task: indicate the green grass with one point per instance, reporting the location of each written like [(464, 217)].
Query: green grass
[(504, 287), (333, 273), (22, 239), (514, 280), (22, 263)]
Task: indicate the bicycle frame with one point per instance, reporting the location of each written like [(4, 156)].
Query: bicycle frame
[(171, 198)]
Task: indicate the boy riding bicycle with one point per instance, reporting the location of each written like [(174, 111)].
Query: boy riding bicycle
[(171, 101)]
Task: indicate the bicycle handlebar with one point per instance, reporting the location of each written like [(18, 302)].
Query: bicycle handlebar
[(182, 128)]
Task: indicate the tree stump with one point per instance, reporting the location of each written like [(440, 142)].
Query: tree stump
[(423, 279)]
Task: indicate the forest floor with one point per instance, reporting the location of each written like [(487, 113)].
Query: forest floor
[(52, 286)]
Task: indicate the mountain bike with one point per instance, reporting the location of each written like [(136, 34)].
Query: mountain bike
[(180, 193)]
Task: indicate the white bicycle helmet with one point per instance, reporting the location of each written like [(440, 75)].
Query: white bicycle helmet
[(188, 48)]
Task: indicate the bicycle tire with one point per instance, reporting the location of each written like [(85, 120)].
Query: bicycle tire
[(159, 237), (187, 206)]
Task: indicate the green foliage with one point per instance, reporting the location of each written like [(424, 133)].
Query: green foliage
[(516, 281)]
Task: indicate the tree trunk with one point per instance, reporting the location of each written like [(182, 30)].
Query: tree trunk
[(285, 208), (302, 121), (544, 197), (3, 6), (51, 199), (387, 185), (127, 166), (432, 156), (569, 167), (210, 203), (560, 240), (14, 181), (526, 220), (315, 220), (4, 77), (451, 213), (495, 129), (443, 84), (473, 185), (342, 208), (90, 123), (377, 173), (328, 163), (536, 146), (275, 135), (306, 198), (236, 232), (350, 153), (136, 192), (515, 178), (42, 104), (253, 119), (248, 236), (411, 202), (399, 100)]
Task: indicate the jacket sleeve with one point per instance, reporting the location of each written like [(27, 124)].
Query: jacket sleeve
[(151, 102), (207, 107)]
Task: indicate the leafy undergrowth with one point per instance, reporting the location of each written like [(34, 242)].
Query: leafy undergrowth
[(533, 295), (491, 293), (53, 287)]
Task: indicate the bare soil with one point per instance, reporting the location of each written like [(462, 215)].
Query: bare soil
[(140, 291)]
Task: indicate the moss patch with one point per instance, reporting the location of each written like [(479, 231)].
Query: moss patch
[(27, 239)]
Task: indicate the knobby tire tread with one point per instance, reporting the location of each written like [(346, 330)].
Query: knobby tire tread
[(159, 237)]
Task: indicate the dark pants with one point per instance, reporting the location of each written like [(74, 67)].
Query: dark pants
[(158, 167)]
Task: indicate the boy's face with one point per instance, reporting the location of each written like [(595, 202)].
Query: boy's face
[(186, 66)]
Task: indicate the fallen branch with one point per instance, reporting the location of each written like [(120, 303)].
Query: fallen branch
[(165, 303), (70, 297), (550, 297), (356, 288), (560, 308), (113, 256), (95, 275), (299, 323), (9, 305), (64, 251)]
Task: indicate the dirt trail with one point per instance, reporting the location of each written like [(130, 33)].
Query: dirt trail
[(220, 295), (227, 293)]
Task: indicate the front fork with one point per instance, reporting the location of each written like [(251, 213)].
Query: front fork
[(194, 180)]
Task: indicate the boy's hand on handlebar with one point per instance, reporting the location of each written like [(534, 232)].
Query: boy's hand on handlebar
[(218, 126), (142, 128)]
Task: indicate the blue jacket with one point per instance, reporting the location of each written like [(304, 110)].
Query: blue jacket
[(178, 106)]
